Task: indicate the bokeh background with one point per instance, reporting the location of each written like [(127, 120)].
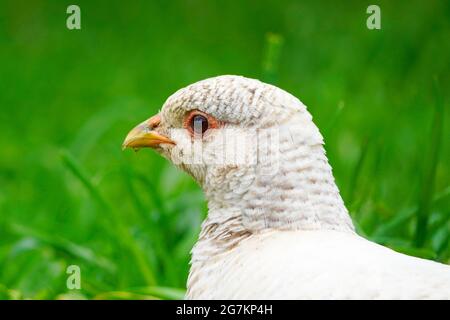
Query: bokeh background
[(70, 196)]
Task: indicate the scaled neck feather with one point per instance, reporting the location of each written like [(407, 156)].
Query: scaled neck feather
[(300, 194)]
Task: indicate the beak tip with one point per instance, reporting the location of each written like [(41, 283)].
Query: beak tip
[(125, 144)]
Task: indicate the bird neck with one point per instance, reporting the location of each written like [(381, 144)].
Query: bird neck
[(300, 194)]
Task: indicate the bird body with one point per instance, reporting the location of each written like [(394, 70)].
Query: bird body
[(316, 265), (277, 227)]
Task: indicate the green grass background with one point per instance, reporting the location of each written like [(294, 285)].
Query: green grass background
[(69, 195)]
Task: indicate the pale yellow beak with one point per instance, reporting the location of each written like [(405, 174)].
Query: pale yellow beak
[(144, 135)]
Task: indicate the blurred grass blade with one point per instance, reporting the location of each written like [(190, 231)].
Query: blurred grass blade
[(328, 130), (9, 294), (353, 185), (400, 219), (441, 239), (430, 170), (118, 223), (271, 58), (66, 246), (76, 169), (152, 226), (145, 293), (163, 292), (123, 295), (97, 125)]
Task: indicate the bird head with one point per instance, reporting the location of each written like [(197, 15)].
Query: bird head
[(209, 128), (251, 146)]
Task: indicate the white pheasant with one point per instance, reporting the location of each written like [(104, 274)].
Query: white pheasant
[(277, 227)]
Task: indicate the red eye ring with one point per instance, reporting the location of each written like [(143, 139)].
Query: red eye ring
[(198, 123)]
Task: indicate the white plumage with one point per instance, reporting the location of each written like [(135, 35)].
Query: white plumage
[(316, 264), (277, 227)]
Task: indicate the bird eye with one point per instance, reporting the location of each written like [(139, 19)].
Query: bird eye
[(199, 124)]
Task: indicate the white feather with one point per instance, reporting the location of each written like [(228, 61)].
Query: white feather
[(317, 265)]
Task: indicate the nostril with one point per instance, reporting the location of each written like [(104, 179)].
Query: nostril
[(154, 121)]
